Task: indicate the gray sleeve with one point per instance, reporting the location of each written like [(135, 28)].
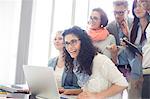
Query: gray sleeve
[(110, 28), (113, 40)]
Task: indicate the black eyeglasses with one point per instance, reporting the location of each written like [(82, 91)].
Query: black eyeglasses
[(94, 18), (121, 13), (73, 42)]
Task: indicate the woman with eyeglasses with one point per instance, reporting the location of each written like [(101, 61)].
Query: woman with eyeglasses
[(138, 38), (100, 35), (66, 79), (96, 73), (146, 54)]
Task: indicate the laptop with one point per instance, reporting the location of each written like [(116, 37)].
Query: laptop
[(41, 82)]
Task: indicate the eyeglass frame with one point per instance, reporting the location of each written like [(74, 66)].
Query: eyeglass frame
[(120, 13), (94, 18), (73, 42)]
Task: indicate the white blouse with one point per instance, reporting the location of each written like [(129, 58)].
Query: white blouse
[(104, 74), (58, 75)]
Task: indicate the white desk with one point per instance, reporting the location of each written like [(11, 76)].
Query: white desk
[(28, 96)]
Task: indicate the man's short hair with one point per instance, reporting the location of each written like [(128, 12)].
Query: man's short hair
[(120, 3)]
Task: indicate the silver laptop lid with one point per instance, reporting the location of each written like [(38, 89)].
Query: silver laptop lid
[(41, 81)]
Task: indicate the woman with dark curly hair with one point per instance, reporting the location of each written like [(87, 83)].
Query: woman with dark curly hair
[(66, 80), (96, 73)]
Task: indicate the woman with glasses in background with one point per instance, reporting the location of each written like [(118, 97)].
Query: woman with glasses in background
[(99, 34), (146, 55), (96, 73), (66, 79), (138, 38)]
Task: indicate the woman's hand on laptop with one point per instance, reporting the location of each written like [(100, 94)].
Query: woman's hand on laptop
[(72, 91), (61, 90)]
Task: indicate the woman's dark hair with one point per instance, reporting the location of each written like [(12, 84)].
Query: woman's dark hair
[(104, 18), (86, 53), (135, 27)]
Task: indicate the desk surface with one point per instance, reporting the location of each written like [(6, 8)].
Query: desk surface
[(28, 96), (18, 96)]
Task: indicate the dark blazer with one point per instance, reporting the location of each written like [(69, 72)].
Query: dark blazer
[(69, 79)]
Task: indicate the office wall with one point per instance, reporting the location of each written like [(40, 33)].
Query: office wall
[(26, 30), (9, 30)]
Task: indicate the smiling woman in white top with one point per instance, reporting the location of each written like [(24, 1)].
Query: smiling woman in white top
[(96, 73)]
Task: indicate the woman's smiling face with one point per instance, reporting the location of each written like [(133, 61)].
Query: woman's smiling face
[(72, 45), (95, 20)]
